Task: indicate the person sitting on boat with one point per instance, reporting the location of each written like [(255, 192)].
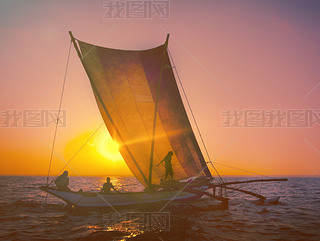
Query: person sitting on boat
[(168, 165), (107, 186), (62, 181)]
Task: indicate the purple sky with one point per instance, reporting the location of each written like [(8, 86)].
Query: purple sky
[(230, 55)]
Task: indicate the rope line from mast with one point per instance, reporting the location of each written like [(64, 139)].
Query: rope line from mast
[(193, 117), (184, 93), (57, 123), (79, 150), (255, 173)]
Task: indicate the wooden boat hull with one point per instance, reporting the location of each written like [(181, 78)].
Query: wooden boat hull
[(91, 199)]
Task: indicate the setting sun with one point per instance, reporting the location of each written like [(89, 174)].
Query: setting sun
[(99, 156), (107, 148)]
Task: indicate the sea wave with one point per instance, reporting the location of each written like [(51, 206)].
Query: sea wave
[(26, 213)]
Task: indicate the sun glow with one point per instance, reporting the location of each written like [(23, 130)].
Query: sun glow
[(100, 155), (108, 148)]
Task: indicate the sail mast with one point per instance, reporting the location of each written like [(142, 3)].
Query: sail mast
[(75, 45), (156, 109)]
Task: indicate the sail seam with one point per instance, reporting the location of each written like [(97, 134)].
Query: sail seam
[(125, 71)]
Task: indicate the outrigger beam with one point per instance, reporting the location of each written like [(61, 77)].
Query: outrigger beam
[(224, 201), (257, 180)]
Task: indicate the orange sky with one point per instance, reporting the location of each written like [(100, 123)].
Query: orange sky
[(257, 55)]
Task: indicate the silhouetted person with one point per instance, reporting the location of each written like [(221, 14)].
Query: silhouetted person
[(168, 165), (107, 186), (62, 181)]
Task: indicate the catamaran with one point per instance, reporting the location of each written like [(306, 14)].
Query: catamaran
[(139, 100)]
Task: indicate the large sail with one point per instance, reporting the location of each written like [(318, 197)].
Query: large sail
[(125, 85)]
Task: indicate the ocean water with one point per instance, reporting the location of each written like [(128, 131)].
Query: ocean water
[(27, 213)]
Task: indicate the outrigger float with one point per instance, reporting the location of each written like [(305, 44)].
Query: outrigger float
[(140, 103)]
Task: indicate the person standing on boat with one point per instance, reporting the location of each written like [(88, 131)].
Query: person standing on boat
[(168, 165), (107, 186), (62, 181)]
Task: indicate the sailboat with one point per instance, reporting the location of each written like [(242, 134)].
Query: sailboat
[(140, 103)]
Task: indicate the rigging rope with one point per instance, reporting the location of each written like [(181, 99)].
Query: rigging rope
[(194, 119), (242, 170), (56, 128), (79, 150)]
